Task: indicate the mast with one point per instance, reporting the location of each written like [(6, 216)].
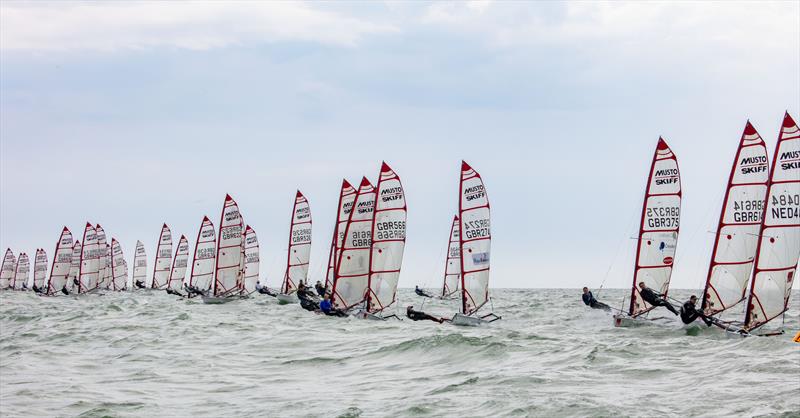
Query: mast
[(75, 266), (161, 267), (204, 255), (352, 270), (299, 244), (229, 249), (347, 195), (90, 260), (658, 230), (62, 262), (779, 240), (119, 269), (21, 272), (739, 222), (40, 269), (251, 261), (475, 240), (387, 242), (178, 271), (452, 263), (139, 266), (7, 272)]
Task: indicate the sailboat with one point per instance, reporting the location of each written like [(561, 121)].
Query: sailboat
[(351, 278), (779, 238), (299, 249), (161, 267), (104, 262), (347, 195), (89, 261), (62, 262), (20, 281), (40, 270), (73, 281), (739, 222), (205, 252), (7, 271), (387, 244), (139, 277), (452, 264), (658, 234), (179, 264), (119, 268), (475, 239), (228, 276)]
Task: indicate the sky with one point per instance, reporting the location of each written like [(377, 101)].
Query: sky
[(132, 114)]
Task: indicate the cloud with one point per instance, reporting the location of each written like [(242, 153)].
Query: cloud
[(188, 25)]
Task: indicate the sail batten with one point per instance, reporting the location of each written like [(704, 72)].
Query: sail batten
[(351, 276), (299, 245), (452, 263), (205, 253), (475, 240), (779, 239), (229, 268), (161, 267), (62, 262)]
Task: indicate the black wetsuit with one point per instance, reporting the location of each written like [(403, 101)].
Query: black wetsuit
[(589, 300), (139, 284), (320, 290), (305, 301), (689, 314), (421, 292), (173, 292), (421, 316), (265, 291), (656, 299)]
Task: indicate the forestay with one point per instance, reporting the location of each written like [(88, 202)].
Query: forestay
[(251, 261), (475, 240), (452, 264), (90, 261), (352, 270), (40, 269), (62, 262), (104, 260), (119, 268), (739, 222), (139, 266), (7, 272), (779, 244), (75, 266), (179, 265), (388, 240), (21, 273), (347, 195), (658, 229), (161, 269), (229, 249), (299, 244), (205, 252)]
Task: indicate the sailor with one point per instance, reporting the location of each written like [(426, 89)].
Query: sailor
[(654, 298), (305, 301), (140, 284), (173, 292), (421, 292), (64, 290), (320, 288), (259, 287), (325, 305), (589, 300), (420, 316), (689, 313), (192, 291), (36, 288)]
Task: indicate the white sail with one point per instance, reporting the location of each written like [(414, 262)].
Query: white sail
[(161, 267), (179, 264), (75, 267), (40, 269), (139, 266), (90, 261), (62, 263), (299, 245), (739, 222), (251, 261), (779, 245), (205, 252), (21, 273), (347, 195), (7, 272), (119, 268), (452, 263), (388, 240), (352, 270), (229, 249), (104, 261), (658, 230), (474, 241)]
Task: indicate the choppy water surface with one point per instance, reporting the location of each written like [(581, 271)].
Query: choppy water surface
[(149, 354)]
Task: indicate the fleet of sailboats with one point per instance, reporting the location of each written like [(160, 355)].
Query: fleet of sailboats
[(754, 256)]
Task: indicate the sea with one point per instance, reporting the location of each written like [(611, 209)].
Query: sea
[(148, 354)]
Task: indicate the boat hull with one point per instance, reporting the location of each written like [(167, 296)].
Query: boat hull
[(218, 300), (625, 321), (462, 320), (284, 299)]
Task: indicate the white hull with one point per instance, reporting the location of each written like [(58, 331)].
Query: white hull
[(625, 321), (217, 300), (472, 321), (284, 299)]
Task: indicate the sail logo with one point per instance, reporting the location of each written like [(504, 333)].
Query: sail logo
[(232, 215), (347, 207), (790, 160), (365, 207), (750, 165), (480, 258), (474, 192), (207, 233), (666, 176)]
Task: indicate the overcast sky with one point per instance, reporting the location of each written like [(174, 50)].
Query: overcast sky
[(133, 114)]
